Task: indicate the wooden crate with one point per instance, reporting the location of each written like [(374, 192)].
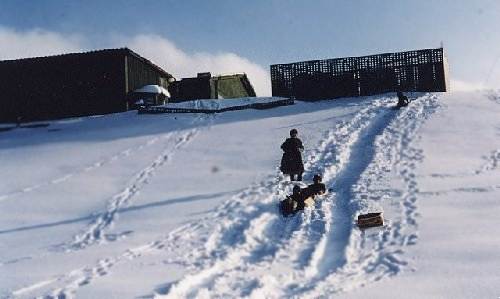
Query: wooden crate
[(370, 220)]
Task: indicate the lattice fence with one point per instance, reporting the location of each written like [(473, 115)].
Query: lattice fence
[(421, 70)]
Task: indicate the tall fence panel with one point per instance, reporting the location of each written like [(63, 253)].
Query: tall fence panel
[(420, 70)]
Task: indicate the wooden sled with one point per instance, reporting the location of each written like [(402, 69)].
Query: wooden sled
[(287, 210), (309, 202), (370, 220)]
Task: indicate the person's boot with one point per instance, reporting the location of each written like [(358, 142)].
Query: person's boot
[(299, 177)]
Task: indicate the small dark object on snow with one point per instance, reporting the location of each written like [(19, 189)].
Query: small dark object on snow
[(291, 161), (287, 207), (402, 100), (317, 188), (293, 202), (370, 220), (312, 190)]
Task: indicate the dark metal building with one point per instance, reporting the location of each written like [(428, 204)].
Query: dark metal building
[(206, 86), (76, 84), (421, 70)]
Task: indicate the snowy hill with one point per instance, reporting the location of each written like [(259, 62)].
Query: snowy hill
[(185, 205)]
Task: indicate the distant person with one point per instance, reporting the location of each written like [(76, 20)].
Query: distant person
[(317, 188), (291, 162), (292, 202), (402, 100)]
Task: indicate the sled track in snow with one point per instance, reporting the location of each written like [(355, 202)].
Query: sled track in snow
[(252, 252), (251, 240), (374, 254), (246, 249), (249, 222)]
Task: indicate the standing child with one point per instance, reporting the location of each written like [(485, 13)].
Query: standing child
[(291, 162)]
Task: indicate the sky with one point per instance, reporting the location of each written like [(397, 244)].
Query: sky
[(186, 37)]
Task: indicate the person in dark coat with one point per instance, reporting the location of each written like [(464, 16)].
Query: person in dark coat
[(291, 162), (293, 202), (317, 188), (402, 100)]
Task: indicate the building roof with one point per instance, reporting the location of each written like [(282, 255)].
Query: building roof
[(125, 51)]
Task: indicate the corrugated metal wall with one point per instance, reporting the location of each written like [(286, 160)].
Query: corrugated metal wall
[(73, 84), (61, 86), (141, 74)]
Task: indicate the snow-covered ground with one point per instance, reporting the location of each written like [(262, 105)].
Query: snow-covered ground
[(214, 104), (185, 205)]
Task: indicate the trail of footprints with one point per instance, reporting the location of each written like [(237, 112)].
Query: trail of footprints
[(93, 166), (256, 212), (228, 250), (96, 231), (251, 237), (375, 254)]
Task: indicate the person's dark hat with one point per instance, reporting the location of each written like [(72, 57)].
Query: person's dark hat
[(293, 132)]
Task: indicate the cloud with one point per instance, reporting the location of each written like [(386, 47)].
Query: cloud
[(160, 50), (181, 64), (36, 42), (459, 85)]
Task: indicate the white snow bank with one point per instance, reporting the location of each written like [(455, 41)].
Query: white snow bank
[(155, 89), (217, 104)]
